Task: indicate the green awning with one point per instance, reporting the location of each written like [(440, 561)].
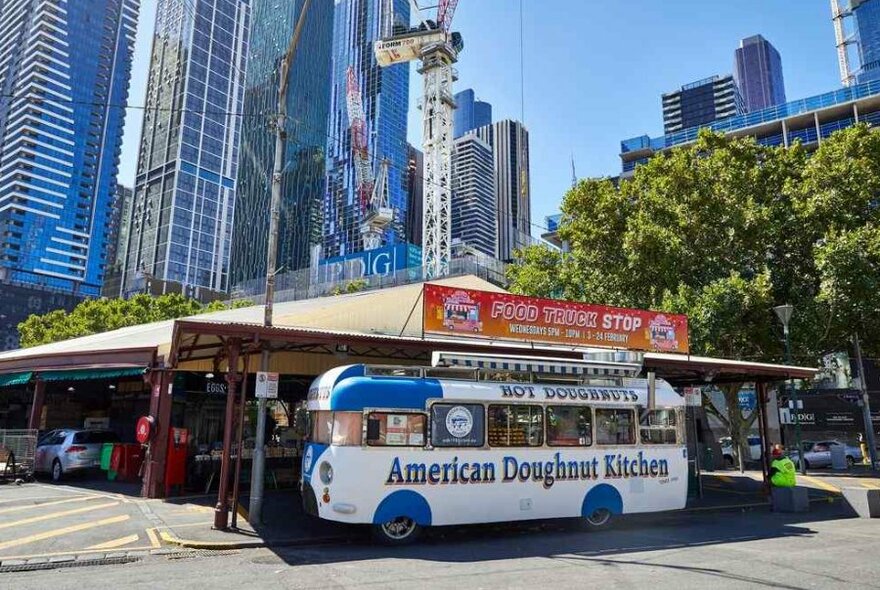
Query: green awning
[(86, 374), (10, 379)]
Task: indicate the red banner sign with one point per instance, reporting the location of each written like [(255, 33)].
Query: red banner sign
[(483, 314)]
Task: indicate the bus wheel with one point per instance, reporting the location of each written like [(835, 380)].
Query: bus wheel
[(398, 531), (599, 518)]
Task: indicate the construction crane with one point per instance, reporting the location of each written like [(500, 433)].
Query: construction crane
[(843, 41), (372, 193), (437, 48)]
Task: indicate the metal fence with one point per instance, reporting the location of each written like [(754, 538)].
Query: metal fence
[(17, 453)]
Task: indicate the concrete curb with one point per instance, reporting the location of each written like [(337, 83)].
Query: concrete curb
[(172, 539)]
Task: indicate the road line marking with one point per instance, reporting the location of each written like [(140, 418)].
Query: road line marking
[(112, 496), (59, 532), (29, 506), (52, 515), (820, 484), (128, 540), (873, 485), (154, 540), (725, 478)]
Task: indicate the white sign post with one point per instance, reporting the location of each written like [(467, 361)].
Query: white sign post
[(267, 385)]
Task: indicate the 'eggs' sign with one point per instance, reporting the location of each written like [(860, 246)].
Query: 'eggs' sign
[(451, 311)]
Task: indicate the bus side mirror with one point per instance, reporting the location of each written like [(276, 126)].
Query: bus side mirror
[(372, 429)]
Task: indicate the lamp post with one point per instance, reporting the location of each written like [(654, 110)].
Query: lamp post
[(784, 313)]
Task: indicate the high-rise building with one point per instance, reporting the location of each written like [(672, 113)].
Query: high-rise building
[(119, 222), (510, 151), (474, 211), (358, 24), (185, 185), (470, 113), (64, 76), (303, 179), (701, 102), (857, 29), (758, 74), (415, 178)]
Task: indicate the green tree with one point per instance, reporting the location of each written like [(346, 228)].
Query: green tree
[(94, 316), (723, 230)]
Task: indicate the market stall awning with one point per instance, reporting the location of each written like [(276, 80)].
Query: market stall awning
[(683, 369), (87, 374), (12, 379)]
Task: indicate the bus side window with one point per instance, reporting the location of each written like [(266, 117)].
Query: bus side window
[(457, 425), (516, 425), (569, 426), (322, 425), (615, 427), (393, 429), (658, 427)]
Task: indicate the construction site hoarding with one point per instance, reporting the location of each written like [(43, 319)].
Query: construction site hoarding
[(449, 311)]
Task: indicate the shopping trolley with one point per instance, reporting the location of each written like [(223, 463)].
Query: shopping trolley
[(17, 454)]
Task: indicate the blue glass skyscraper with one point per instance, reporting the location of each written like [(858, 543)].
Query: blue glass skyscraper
[(184, 191), (758, 74), (866, 34), (385, 91), (65, 67), (470, 113), (303, 180)]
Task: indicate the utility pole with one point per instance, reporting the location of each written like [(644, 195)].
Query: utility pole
[(784, 312), (255, 507), (866, 404)]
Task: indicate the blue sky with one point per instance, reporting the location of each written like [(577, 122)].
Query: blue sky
[(594, 70)]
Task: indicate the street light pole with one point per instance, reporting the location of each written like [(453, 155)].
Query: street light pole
[(255, 506), (784, 313)]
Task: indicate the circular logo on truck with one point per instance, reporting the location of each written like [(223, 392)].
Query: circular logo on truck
[(307, 460), (459, 422)]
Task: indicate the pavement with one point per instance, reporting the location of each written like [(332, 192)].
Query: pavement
[(751, 549), (105, 521)]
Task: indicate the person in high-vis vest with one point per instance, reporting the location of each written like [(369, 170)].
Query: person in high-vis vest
[(782, 470)]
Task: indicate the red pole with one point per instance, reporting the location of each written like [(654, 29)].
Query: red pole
[(160, 409), (221, 511), (236, 483), (37, 407)]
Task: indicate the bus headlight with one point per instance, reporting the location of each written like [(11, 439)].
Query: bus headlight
[(325, 471)]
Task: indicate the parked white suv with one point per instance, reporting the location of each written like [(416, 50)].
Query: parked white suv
[(726, 443)]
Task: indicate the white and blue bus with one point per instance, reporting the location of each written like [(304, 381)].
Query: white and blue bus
[(403, 448)]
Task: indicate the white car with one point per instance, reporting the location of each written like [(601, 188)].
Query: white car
[(726, 443)]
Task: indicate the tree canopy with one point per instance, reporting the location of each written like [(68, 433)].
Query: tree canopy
[(101, 315), (723, 230)]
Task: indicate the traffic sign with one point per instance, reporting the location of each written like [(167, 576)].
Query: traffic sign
[(267, 385)]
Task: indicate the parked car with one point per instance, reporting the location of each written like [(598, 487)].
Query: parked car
[(818, 454), (726, 444), (68, 450)]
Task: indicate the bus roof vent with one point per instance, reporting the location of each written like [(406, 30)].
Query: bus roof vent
[(535, 364)]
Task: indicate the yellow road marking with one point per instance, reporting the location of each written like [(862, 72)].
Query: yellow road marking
[(116, 542), (242, 511), (820, 484), (154, 540), (871, 484), (59, 532), (112, 496), (29, 506), (52, 515), (725, 478)]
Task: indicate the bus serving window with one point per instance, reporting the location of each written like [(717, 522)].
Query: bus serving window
[(569, 426), (516, 426), (457, 425), (387, 429), (615, 427), (348, 428), (658, 427), (322, 425)]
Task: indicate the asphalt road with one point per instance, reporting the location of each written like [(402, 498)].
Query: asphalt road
[(755, 549)]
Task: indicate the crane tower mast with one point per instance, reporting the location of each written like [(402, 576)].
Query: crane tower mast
[(438, 49)]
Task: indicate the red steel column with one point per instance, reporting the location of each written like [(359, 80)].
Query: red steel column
[(221, 511), (38, 403), (160, 409)]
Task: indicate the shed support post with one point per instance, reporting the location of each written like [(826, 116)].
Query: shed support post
[(160, 409), (39, 402), (761, 392), (221, 511)]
